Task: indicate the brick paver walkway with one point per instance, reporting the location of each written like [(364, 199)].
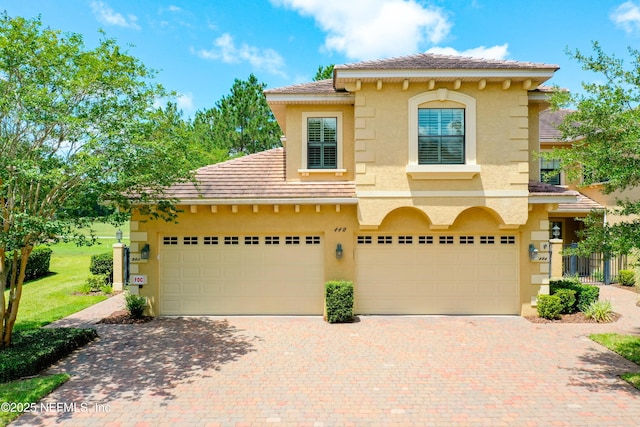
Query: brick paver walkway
[(379, 371)]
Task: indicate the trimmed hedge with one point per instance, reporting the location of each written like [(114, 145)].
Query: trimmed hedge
[(38, 264), (102, 264), (339, 301), (585, 294), (33, 350), (549, 306)]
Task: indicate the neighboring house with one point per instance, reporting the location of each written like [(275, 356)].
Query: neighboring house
[(414, 177), (565, 214)]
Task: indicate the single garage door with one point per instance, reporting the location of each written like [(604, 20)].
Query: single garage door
[(436, 274), (241, 275)]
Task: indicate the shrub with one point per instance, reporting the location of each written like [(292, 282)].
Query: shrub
[(626, 277), (567, 299), (102, 264), (106, 289), (585, 294), (94, 283), (339, 301), (38, 264), (549, 306), (33, 350), (588, 294), (600, 311), (135, 305)]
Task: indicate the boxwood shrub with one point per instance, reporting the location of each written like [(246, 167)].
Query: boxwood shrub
[(33, 350), (38, 264), (549, 306), (567, 299), (585, 294), (102, 264), (339, 301)]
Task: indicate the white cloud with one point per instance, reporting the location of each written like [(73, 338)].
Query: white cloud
[(108, 16), (366, 29), (627, 16), (184, 101), (226, 51), (493, 52)]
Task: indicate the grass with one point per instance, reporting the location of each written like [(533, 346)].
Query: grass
[(49, 299), (627, 346), (27, 392)]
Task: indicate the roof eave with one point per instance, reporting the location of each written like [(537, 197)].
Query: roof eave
[(343, 76), (312, 98)]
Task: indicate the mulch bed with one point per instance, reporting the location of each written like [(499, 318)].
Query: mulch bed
[(578, 317), (123, 318)]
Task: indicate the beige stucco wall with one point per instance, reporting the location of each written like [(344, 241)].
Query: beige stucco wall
[(335, 224)]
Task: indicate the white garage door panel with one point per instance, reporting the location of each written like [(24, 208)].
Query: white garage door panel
[(241, 278), (460, 276)]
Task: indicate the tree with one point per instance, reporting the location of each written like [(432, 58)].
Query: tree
[(324, 73), (605, 130), (242, 122), (77, 126)]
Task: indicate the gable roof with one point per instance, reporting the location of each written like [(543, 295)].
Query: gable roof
[(258, 177)]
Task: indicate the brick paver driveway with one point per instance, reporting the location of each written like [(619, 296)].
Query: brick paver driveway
[(379, 371)]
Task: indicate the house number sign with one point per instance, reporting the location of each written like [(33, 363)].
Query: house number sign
[(139, 279)]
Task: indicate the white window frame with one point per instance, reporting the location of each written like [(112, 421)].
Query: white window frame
[(339, 170), (446, 171)]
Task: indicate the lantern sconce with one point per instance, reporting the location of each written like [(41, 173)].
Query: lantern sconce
[(533, 252), (144, 252), (339, 251)]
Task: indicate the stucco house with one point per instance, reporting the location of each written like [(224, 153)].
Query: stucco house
[(414, 177)]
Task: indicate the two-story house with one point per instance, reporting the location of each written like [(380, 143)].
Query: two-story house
[(414, 177)]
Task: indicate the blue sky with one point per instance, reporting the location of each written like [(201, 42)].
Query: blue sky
[(200, 47)]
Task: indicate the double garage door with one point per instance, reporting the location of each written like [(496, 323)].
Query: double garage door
[(285, 274), (436, 274), (246, 274)]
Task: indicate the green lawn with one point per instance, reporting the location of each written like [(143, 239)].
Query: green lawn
[(627, 346), (51, 298), (23, 393)]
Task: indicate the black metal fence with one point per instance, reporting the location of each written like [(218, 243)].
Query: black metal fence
[(594, 268)]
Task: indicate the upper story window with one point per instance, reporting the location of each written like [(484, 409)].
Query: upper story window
[(550, 171), (440, 136), (322, 146), (322, 142)]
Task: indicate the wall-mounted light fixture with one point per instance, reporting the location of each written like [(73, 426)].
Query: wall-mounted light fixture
[(533, 252), (339, 251), (119, 235), (144, 252)]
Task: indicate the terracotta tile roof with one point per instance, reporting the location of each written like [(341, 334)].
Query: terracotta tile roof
[(584, 204), (549, 121), (320, 86), (537, 187), (256, 176), (442, 62)]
